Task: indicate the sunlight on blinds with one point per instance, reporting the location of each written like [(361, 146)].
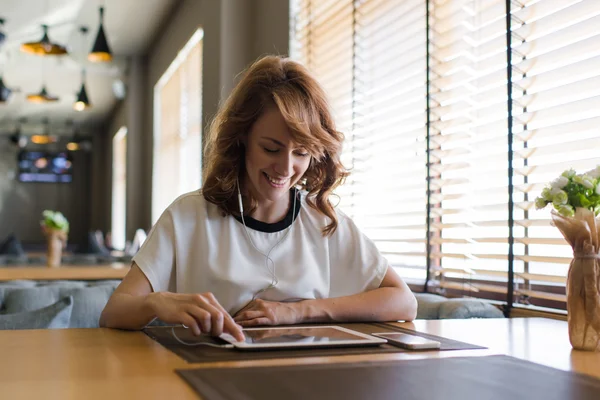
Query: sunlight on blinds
[(468, 143), (556, 109), (370, 57), (374, 75), (178, 128)]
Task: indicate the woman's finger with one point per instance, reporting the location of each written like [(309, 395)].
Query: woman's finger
[(256, 322), (229, 324), (250, 314), (189, 321), (202, 316)]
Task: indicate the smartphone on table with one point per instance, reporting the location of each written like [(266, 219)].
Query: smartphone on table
[(410, 342)]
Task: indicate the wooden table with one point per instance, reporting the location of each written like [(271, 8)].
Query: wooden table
[(104, 363), (66, 272)]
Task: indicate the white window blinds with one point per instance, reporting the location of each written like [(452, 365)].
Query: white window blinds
[(423, 88), (556, 124), (374, 74)]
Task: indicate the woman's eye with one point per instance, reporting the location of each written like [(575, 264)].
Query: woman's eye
[(302, 154), (270, 150)]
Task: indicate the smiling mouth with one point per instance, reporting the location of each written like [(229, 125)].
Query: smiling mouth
[(276, 182)]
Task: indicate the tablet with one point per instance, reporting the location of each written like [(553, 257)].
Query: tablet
[(302, 336)]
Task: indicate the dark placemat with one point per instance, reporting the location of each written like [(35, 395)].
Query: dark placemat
[(446, 344), (195, 351), (460, 378)]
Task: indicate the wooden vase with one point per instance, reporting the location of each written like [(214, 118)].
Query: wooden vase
[(582, 232), (56, 241)]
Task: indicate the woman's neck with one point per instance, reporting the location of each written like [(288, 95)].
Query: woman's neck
[(271, 211)]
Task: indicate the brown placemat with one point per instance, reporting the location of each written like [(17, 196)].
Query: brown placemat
[(203, 353), (460, 378)]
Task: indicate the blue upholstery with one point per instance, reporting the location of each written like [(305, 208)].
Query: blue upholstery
[(433, 306), (54, 316), (89, 298)]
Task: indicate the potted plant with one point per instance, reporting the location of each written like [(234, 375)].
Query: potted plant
[(56, 228), (576, 202)]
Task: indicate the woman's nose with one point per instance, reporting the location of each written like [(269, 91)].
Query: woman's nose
[(285, 165)]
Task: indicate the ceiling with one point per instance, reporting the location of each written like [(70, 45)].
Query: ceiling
[(129, 26)]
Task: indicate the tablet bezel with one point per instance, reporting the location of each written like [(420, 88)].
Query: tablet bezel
[(370, 340)]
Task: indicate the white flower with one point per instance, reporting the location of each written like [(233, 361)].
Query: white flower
[(540, 203), (598, 188), (553, 192), (559, 182), (594, 173), (546, 195), (569, 173), (584, 180), (560, 198), (566, 210)]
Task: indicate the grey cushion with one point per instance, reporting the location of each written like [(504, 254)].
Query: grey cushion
[(428, 305), (54, 316), (468, 308), (88, 301)]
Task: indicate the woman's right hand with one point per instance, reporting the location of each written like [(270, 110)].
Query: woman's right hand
[(202, 313)]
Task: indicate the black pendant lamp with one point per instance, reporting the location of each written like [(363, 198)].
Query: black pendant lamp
[(100, 52), (82, 102), (44, 47), (4, 92), (41, 97), (73, 144)]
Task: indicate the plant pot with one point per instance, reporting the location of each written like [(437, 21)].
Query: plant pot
[(582, 232), (56, 242)]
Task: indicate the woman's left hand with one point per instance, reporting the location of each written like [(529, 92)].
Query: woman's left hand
[(262, 312)]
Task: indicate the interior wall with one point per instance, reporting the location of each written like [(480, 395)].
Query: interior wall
[(22, 203), (236, 33)]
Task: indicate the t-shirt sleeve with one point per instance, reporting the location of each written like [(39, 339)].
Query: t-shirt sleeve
[(156, 257), (356, 265)]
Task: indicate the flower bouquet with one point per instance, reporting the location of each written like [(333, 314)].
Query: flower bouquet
[(576, 202), (56, 228)]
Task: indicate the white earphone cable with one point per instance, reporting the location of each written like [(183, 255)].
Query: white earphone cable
[(268, 259)]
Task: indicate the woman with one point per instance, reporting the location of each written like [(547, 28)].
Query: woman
[(261, 244)]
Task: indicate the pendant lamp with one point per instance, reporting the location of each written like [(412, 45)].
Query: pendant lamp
[(41, 97), (44, 47), (100, 52), (82, 102), (44, 138)]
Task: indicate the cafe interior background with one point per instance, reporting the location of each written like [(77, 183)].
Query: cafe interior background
[(453, 126)]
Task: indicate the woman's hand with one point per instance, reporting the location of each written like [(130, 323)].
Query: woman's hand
[(262, 312), (202, 313)]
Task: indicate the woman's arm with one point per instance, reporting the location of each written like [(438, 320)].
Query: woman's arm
[(391, 301), (133, 305)]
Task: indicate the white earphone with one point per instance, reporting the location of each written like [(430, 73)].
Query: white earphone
[(268, 259)]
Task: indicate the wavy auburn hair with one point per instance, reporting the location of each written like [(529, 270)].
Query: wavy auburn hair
[(280, 82)]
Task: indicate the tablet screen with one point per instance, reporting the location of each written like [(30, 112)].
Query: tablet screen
[(300, 335)]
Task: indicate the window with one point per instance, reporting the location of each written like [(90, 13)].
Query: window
[(178, 127), (448, 145), (374, 75), (119, 187)]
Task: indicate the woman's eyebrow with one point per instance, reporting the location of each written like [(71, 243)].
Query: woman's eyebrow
[(277, 142)]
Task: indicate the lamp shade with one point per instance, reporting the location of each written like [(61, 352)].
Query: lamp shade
[(4, 92), (100, 52), (82, 102), (44, 47), (41, 97)]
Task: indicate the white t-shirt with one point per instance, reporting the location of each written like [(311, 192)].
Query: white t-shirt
[(192, 248)]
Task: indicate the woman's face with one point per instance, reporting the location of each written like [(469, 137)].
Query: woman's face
[(274, 163)]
